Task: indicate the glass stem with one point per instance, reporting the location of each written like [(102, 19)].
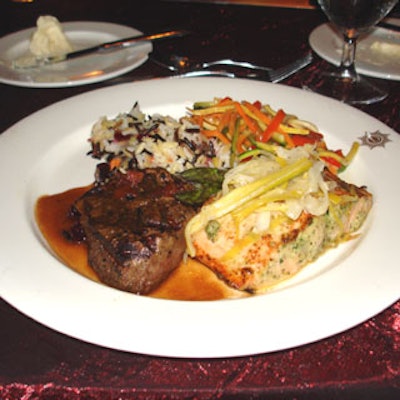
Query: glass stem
[(347, 64)]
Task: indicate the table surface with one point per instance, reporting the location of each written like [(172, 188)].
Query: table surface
[(36, 362)]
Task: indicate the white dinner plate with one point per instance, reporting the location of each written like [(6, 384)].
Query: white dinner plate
[(81, 71), (377, 55), (45, 153)]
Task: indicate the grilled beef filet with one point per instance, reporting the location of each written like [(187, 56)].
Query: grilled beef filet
[(134, 226)]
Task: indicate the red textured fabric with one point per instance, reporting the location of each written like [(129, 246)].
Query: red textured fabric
[(49, 365)]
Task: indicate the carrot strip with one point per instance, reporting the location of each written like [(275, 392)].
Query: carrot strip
[(288, 139), (258, 113), (115, 163), (198, 120), (223, 124), (232, 123), (225, 101), (242, 139), (249, 122), (217, 134)]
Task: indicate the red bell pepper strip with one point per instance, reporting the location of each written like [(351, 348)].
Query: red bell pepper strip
[(273, 126), (257, 104), (311, 138), (332, 161)]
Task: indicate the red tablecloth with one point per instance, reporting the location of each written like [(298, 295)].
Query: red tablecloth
[(362, 363)]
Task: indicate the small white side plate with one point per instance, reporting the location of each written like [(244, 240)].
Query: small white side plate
[(378, 53), (81, 71)]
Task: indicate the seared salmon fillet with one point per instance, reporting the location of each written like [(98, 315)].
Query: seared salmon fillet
[(255, 262)]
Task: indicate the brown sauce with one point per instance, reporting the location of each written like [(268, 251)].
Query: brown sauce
[(190, 281)]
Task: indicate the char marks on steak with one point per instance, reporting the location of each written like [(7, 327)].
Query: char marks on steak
[(134, 226)]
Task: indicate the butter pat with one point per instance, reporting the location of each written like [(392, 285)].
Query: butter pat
[(49, 38)]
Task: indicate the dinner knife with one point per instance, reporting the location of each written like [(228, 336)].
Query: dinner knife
[(101, 48)]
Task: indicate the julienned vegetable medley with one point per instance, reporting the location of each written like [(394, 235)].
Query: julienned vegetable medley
[(252, 129)]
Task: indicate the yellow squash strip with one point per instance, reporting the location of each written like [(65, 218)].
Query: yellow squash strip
[(352, 153), (212, 110), (332, 154), (243, 212), (241, 196)]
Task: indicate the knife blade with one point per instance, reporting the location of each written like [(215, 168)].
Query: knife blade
[(100, 48)]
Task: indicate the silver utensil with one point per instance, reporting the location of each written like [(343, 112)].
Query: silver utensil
[(101, 48), (389, 25), (268, 75), (183, 64)]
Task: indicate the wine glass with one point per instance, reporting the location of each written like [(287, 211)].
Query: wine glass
[(352, 18)]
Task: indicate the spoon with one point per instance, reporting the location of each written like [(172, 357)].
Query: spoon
[(183, 64)]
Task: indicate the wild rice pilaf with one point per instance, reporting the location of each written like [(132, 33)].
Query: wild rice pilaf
[(144, 141)]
